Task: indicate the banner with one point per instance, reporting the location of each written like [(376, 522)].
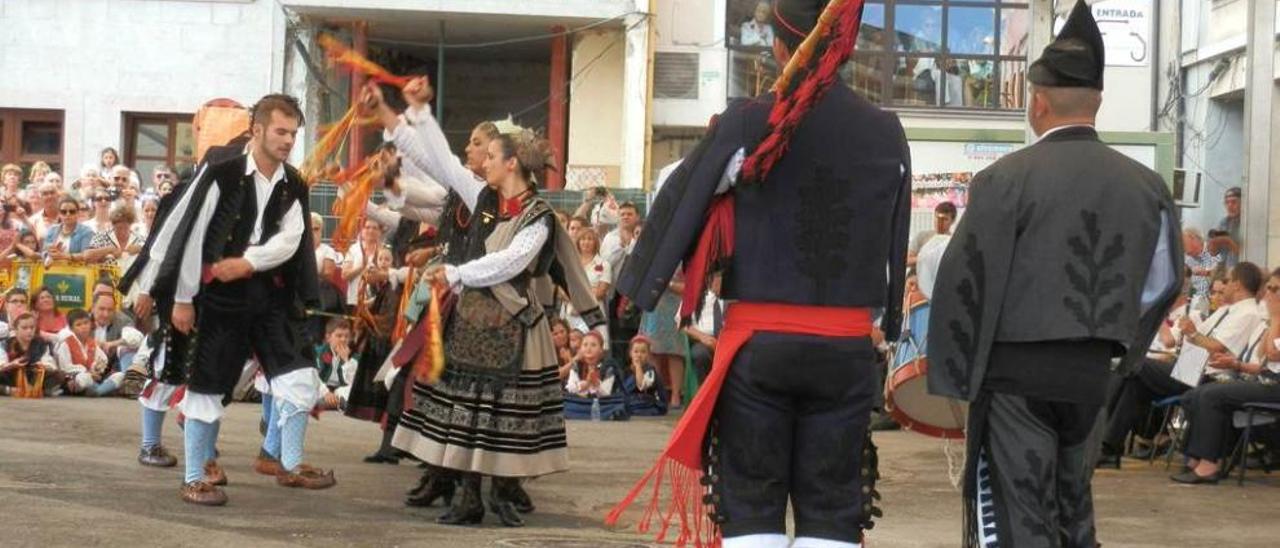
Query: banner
[(71, 283)]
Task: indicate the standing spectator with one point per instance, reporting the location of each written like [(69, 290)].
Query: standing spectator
[(163, 189), (27, 248), (27, 361), (107, 162), (49, 320), (114, 332), (119, 244), (668, 344), (598, 273), (10, 181), (1231, 225), (599, 208), (150, 204), (56, 179), (48, 214), (68, 239), (576, 225), (619, 242), (705, 329), (9, 230), (160, 175), (83, 362), (361, 257), (327, 258), (15, 304), (944, 215), (39, 171), (757, 32), (101, 220), (1200, 261)]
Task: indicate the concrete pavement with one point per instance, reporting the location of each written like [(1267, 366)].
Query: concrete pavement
[(69, 477)]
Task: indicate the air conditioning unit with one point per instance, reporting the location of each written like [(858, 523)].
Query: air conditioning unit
[(1186, 188), (675, 75)]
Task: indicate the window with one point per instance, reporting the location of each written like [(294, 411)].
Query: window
[(152, 140), (955, 54), (30, 136)]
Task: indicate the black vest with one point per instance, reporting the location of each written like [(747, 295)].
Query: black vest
[(234, 220), (463, 231)]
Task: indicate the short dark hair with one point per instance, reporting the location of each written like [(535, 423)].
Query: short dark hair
[(15, 290), (629, 205), (946, 208), (1233, 191), (261, 111), (335, 324), (1249, 275), (77, 315)]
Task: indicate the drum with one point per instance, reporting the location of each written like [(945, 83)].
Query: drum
[(907, 397)]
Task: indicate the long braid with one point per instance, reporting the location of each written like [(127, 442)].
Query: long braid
[(810, 73)]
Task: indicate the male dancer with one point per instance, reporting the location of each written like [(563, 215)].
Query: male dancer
[(1067, 257), (819, 212), (236, 244)]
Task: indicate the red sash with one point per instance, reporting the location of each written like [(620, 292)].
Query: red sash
[(680, 463)]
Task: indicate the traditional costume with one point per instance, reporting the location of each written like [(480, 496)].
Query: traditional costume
[(497, 410), (1067, 257), (233, 210), (813, 236)]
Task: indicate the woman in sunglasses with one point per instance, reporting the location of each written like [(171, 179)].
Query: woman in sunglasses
[(68, 239), (101, 210)]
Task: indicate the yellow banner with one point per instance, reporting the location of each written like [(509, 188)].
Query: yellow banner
[(72, 283)]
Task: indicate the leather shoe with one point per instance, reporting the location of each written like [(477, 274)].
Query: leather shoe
[(214, 473), (379, 458), (306, 477), (156, 456), (1192, 478), (267, 466), (203, 493)]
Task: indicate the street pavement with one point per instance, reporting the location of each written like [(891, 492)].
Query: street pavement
[(69, 477)]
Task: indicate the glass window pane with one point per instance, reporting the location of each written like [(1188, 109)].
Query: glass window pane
[(866, 74), (917, 82), (41, 137), (750, 23), (751, 72), (1013, 83), (1014, 31), (971, 31), (152, 139), (918, 28), (872, 34), (145, 168), (977, 84), (185, 142)]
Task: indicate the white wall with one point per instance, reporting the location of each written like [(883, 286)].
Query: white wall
[(693, 26), (97, 59)]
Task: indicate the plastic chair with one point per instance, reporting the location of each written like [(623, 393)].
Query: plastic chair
[(1252, 414), (1169, 404)]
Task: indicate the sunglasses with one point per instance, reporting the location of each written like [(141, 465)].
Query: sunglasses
[(101, 199), (68, 211)]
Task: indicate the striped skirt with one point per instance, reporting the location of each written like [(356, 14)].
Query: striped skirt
[(467, 424)]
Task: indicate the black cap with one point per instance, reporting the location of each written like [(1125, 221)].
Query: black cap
[(1076, 58), (795, 18)]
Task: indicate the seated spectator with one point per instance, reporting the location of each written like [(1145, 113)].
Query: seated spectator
[(575, 341), (114, 331), (591, 383), (646, 396), (1227, 330), (337, 364), (327, 258), (361, 257), (705, 329), (15, 304), (50, 322), (28, 370), (82, 362), (68, 239), (1250, 376), (118, 245)]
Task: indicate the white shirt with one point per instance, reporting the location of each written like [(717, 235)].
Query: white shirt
[(262, 255), (613, 251), (1232, 325), (325, 251), (356, 257), (927, 262), (63, 355), (571, 384)]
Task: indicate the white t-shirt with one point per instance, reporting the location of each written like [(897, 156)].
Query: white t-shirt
[(355, 256), (325, 251), (1232, 325)]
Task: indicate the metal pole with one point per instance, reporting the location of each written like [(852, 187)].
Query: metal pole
[(440, 76), (1259, 130)]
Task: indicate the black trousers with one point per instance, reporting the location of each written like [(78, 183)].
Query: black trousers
[(1209, 408), (1034, 472), (700, 355), (790, 424), (236, 320), (1151, 382)]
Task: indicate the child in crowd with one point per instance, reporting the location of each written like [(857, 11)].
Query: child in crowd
[(27, 369), (646, 396), (591, 383), (337, 363), (83, 363)]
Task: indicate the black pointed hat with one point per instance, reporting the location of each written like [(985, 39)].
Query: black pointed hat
[(794, 19), (1076, 58)]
